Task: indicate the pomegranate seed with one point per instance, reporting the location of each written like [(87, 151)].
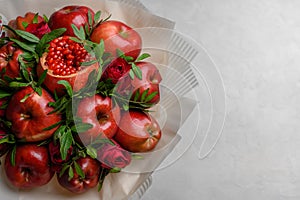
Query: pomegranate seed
[(65, 56)]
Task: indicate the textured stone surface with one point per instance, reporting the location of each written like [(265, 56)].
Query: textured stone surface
[(256, 45)]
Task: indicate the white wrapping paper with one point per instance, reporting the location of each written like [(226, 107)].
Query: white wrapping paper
[(156, 35)]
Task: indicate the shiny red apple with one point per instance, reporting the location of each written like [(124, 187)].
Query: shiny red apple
[(29, 114), (31, 167), (78, 184), (118, 35), (102, 114), (138, 131), (149, 83), (73, 14)]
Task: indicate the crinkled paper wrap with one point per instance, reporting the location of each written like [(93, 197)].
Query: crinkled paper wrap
[(121, 185)]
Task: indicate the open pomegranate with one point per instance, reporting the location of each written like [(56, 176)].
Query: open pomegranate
[(9, 63), (64, 62)]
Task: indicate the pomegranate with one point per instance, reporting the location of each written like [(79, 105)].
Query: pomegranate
[(20, 23), (9, 60), (63, 62)]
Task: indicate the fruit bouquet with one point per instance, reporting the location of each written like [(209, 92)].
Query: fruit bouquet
[(76, 93), (81, 99)]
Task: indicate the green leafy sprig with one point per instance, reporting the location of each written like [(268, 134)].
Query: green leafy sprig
[(135, 71), (33, 48)]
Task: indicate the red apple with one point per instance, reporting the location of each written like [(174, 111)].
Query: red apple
[(138, 131), (78, 184), (150, 81), (74, 14), (100, 112), (29, 115), (31, 168), (118, 35)]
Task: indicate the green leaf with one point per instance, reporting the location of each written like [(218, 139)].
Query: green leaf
[(9, 138), (131, 74), (99, 51), (91, 151), (35, 18), (4, 140), (69, 112), (143, 56), (97, 17), (25, 24), (45, 18), (27, 56), (52, 126), (63, 169), (88, 48), (78, 170), (136, 70), (137, 157), (78, 32), (27, 36), (126, 107), (43, 44), (90, 18), (151, 96), (13, 156), (137, 95), (38, 90), (42, 78), (115, 170), (25, 98), (24, 72), (4, 93), (88, 63), (120, 53), (81, 127), (75, 39), (70, 173), (87, 29), (144, 94), (60, 105), (128, 58), (67, 86), (59, 132), (100, 185), (52, 35), (9, 28), (66, 141), (15, 84), (103, 173), (23, 45)]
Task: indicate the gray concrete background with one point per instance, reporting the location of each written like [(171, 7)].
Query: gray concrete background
[(256, 45)]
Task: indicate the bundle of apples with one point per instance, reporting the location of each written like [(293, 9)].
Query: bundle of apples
[(74, 98)]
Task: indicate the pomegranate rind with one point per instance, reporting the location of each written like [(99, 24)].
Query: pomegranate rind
[(77, 80)]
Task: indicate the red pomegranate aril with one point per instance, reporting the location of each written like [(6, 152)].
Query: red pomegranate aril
[(64, 54)]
